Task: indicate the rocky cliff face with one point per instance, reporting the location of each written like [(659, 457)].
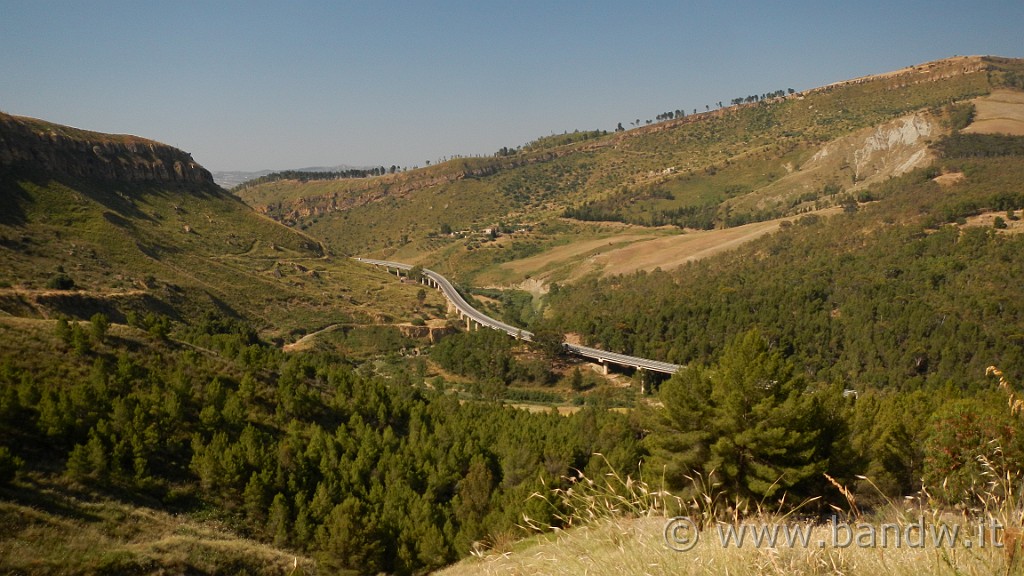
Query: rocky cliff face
[(33, 144)]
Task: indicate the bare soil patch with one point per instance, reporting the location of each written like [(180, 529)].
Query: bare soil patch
[(949, 179), (674, 251), (988, 220), (568, 252)]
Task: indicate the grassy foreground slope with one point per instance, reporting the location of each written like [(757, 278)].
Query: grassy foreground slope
[(60, 529), (626, 547)]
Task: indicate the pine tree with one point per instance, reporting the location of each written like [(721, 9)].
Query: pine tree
[(78, 463), (303, 529), (99, 324), (682, 438), (472, 501), (79, 340), (349, 539), (97, 457), (750, 422), (576, 382), (279, 521), (254, 499), (63, 331)]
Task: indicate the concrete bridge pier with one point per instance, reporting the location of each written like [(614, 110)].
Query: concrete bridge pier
[(468, 319)]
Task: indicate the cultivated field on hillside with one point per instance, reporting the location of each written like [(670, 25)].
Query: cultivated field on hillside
[(628, 252), (1000, 113)]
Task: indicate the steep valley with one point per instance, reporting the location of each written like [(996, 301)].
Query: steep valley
[(200, 381)]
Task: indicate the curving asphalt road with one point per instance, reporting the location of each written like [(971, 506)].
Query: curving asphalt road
[(453, 296)]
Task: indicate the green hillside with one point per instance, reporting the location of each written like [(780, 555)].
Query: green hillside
[(247, 444), (693, 172), (77, 244), (151, 420), (895, 292)]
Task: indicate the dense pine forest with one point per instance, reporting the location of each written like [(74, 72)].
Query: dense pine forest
[(302, 451), (895, 293)]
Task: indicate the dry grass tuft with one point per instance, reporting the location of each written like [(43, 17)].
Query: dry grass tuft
[(611, 496)]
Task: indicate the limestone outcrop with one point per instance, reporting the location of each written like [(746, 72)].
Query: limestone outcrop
[(51, 148)]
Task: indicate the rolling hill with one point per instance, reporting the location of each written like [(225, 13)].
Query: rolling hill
[(769, 156), (92, 222)]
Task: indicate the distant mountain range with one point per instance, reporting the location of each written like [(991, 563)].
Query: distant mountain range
[(230, 179)]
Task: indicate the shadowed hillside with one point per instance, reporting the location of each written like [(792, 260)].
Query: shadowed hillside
[(52, 148), (114, 224)]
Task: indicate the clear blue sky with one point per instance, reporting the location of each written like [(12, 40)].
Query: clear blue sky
[(254, 85)]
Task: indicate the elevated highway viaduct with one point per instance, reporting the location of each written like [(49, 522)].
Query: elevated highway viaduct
[(474, 317)]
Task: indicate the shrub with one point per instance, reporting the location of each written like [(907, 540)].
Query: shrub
[(60, 281), (9, 466), (99, 324)]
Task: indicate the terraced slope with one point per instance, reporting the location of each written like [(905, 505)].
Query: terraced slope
[(92, 222)]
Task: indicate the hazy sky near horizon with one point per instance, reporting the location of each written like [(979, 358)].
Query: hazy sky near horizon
[(276, 85)]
